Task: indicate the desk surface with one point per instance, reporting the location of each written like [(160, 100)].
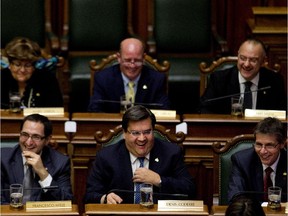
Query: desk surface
[(220, 211), (134, 209), (5, 211)]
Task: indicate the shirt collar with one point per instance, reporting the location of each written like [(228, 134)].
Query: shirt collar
[(255, 80)]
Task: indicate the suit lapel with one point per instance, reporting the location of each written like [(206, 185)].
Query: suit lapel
[(17, 167)]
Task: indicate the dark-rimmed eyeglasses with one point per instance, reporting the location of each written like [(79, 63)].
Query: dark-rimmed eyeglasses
[(138, 133), (35, 137), (268, 147)]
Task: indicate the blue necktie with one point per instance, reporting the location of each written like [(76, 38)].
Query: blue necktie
[(137, 190)]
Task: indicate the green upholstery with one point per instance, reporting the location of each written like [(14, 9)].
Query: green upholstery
[(116, 134), (183, 26), (23, 18), (238, 143), (7, 142), (96, 28)]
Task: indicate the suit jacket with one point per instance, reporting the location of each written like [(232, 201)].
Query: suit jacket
[(112, 170), (247, 174), (42, 89), (58, 165), (108, 85), (226, 82)]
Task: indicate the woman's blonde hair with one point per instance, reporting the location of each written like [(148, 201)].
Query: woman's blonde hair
[(21, 48)]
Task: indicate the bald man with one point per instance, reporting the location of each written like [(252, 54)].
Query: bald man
[(251, 56), (112, 83)]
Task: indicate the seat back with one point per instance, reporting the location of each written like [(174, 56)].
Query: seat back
[(112, 60), (222, 162), (116, 134), (28, 19), (221, 64)]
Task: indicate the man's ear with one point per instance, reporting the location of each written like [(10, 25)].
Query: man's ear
[(118, 57), (48, 139)]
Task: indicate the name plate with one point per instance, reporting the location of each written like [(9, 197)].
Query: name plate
[(164, 114), (256, 113), (49, 111), (48, 205), (180, 205)]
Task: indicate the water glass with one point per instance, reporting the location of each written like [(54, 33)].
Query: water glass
[(16, 196), (146, 192)]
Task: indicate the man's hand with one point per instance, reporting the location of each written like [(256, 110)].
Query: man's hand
[(146, 175), (111, 198), (35, 161)]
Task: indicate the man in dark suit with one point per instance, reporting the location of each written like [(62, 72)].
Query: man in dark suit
[(112, 83), (251, 56), (248, 166), (117, 167), (49, 167)]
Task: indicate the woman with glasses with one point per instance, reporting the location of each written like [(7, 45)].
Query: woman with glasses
[(27, 73)]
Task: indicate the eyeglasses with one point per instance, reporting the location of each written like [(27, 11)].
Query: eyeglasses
[(250, 60), (268, 147), (138, 133), (18, 65), (36, 138), (128, 62)]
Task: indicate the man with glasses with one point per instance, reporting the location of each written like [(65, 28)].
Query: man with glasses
[(148, 86), (247, 76), (50, 170), (117, 168), (249, 166)]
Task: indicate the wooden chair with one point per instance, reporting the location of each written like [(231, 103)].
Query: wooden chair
[(112, 59), (92, 29), (28, 19), (221, 64), (116, 134), (222, 163), (184, 33)]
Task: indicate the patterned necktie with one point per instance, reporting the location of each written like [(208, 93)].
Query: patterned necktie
[(267, 181), (27, 183), (248, 96), (137, 188), (131, 92)]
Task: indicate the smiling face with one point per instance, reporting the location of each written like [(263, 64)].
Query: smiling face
[(141, 144), (267, 156), (131, 57), (36, 129), (21, 70), (251, 56)]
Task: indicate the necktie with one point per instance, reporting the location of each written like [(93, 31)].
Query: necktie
[(131, 92), (247, 96), (267, 181), (137, 188), (27, 183)]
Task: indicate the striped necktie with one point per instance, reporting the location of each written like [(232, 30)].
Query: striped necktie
[(27, 183), (137, 188), (267, 181)]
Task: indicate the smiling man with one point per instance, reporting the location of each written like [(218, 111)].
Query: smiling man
[(248, 71), (110, 84), (50, 169), (249, 165), (116, 170)]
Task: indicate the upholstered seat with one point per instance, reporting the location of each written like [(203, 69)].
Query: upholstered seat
[(92, 29), (223, 63), (28, 19), (105, 139), (183, 33), (112, 59), (222, 163)]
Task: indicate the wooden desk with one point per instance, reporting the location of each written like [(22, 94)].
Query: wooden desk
[(134, 209), (10, 128), (5, 211), (220, 211)]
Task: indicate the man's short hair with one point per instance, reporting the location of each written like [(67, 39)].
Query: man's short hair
[(48, 129)]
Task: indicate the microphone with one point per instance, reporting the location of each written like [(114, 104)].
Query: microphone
[(144, 104), (154, 193), (55, 187), (237, 94)]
